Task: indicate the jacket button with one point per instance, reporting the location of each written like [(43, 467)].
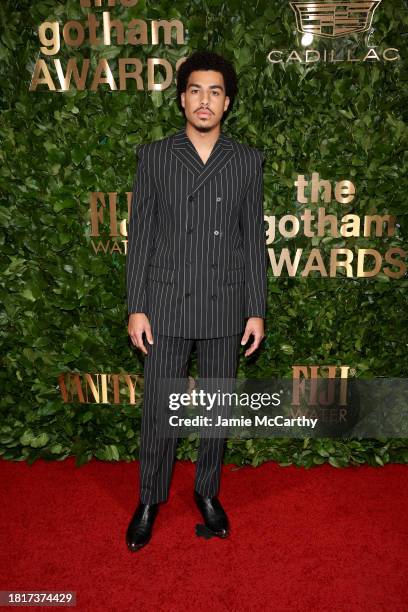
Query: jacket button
[(191, 198), (218, 199), (190, 230), (214, 265), (187, 294), (214, 296), (216, 232), (188, 263)]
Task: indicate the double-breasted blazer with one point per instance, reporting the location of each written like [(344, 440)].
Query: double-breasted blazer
[(196, 253)]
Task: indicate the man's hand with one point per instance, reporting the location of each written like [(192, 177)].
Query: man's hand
[(137, 325), (255, 327)]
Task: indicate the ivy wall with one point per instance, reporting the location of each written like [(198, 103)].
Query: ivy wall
[(67, 168)]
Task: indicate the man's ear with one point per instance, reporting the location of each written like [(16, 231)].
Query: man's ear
[(183, 99), (226, 103)]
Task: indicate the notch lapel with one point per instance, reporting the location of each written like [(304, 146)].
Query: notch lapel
[(185, 151)]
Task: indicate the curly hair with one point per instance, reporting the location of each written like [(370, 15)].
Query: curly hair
[(207, 60)]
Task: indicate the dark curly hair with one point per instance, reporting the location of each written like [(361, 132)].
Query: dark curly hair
[(207, 60)]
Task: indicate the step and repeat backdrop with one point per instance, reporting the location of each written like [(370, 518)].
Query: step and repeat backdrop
[(322, 92)]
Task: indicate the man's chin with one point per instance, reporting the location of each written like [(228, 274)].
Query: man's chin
[(202, 127)]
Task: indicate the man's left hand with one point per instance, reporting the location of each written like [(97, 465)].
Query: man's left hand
[(254, 327)]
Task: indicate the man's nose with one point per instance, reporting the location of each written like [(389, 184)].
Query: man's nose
[(205, 98)]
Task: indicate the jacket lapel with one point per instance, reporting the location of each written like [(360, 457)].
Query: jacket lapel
[(185, 151)]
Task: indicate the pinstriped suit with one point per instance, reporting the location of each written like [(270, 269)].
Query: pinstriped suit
[(196, 261), (196, 266)]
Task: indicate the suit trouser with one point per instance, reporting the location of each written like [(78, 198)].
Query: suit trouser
[(168, 357)]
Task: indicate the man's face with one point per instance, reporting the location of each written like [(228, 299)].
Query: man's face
[(204, 100)]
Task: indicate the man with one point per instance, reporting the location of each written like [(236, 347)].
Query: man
[(195, 271)]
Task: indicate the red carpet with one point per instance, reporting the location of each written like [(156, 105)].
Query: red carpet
[(317, 540)]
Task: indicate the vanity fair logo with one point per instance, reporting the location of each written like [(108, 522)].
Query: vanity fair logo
[(100, 387), (333, 20)]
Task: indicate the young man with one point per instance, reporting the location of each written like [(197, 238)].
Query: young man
[(195, 272)]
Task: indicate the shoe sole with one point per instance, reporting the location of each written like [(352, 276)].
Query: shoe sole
[(219, 534), (135, 549)]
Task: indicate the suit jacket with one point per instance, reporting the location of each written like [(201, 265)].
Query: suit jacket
[(196, 259)]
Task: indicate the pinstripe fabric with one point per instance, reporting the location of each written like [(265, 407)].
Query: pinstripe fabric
[(168, 357), (196, 260)]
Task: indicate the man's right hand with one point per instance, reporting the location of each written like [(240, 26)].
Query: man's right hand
[(137, 325)]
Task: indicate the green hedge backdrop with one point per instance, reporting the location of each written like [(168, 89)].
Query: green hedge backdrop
[(64, 307)]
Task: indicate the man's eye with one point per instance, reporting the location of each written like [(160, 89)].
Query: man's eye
[(217, 93)]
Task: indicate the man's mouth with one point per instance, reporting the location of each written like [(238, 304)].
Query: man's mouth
[(203, 113)]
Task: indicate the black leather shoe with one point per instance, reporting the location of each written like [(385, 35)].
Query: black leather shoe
[(140, 527), (213, 514)]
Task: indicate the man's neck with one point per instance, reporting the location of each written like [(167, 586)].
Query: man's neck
[(203, 139)]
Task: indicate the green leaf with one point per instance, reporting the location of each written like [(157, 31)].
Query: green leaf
[(40, 440)]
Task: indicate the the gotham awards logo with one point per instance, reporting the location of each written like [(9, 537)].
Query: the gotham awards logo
[(333, 22), (348, 233), (100, 32)]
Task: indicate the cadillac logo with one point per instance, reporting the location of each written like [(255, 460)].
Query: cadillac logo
[(333, 19)]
